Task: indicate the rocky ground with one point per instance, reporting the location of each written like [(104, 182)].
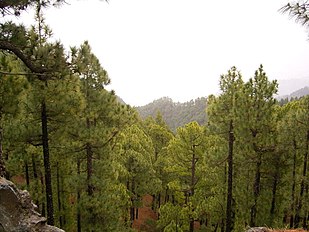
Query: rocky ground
[(17, 211)]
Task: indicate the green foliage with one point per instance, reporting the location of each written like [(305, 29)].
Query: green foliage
[(174, 218)]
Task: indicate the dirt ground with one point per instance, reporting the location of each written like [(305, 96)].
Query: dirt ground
[(145, 215)]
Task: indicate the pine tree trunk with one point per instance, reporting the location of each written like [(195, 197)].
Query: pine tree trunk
[(78, 214), (256, 190), (89, 154), (229, 223), (274, 193), (166, 197), (293, 186), (59, 197), (193, 169), (306, 213), (48, 179), (27, 174), (136, 213), (90, 187), (154, 201), (43, 210), (2, 165), (302, 185), (191, 225), (132, 209), (35, 177)]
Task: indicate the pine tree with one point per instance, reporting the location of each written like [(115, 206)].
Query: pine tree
[(185, 152), (259, 105), (222, 119)]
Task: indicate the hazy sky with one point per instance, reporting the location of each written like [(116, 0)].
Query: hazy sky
[(179, 48)]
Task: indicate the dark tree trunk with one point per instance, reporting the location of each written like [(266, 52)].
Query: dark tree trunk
[(302, 184), (293, 185), (154, 199), (256, 190), (166, 197), (159, 201), (35, 174), (35, 177), (229, 223), (27, 174), (274, 193), (59, 198), (306, 213), (90, 186), (191, 225), (43, 210), (2, 166), (132, 209), (48, 179), (193, 182), (78, 214), (89, 153), (136, 213)]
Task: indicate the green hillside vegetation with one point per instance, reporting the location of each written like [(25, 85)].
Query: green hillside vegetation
[(87, 159), (176, 114)]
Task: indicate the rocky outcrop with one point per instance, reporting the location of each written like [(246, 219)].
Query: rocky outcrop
[(18, 213)]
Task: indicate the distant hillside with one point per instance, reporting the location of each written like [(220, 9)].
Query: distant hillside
[(288, 86), (300, 93), (176, 114), (296, 94)]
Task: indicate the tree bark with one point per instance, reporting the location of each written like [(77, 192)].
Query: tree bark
[(27, 174), (229, 223), (48, 179), (256, 190), (302, 185), (293, 185), (90, 187), (2, 165), (193, 182), (78, 214), (59, 198), (274, 193), (43, 210), (38, 70)]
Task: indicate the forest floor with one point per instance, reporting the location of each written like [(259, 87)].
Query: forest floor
[(147, 218)]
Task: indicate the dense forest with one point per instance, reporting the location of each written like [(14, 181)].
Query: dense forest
[(87, 159)]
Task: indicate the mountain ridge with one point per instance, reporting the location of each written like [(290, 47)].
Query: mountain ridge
[(177, 114)]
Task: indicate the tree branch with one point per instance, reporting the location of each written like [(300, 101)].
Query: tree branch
[(4, 45), (20, 74)]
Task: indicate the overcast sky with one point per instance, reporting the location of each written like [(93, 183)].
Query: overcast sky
[(179, 48)]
